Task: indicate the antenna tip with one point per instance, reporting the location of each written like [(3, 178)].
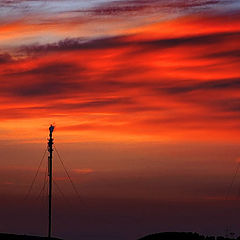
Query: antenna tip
[(51, 128)]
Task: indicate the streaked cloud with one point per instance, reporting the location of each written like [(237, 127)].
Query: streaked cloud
[(83, 170), (150, 80)]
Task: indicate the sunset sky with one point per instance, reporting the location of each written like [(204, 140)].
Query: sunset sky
[(145, 97)]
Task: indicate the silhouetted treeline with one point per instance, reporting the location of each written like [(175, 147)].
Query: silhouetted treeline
[(5, 236), (182, 236)]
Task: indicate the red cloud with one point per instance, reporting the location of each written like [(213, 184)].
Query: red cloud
[(136, 84)]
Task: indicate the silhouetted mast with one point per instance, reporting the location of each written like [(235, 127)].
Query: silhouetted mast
[(50, 149)]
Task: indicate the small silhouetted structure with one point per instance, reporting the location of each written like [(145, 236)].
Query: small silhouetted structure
[(50, 149), (182, 236)]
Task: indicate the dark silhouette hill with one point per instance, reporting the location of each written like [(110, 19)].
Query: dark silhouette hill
[(6, 236), (182, 236)]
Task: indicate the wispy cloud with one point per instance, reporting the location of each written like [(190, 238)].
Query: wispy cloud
[(83, 170), (155, 78)]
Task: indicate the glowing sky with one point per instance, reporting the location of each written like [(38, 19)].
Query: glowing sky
[(136, 89), (141, 70)]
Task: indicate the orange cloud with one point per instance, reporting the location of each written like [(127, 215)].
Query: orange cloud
[(138, 86), (83, 171)]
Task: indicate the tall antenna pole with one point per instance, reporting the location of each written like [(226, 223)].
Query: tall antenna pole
[(50, 149)]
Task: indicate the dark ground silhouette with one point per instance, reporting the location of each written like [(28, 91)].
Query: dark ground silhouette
[(156, 236), (5, 236), (182, 236)]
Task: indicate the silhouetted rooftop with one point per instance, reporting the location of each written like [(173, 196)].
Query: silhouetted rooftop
[(182, 236)]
